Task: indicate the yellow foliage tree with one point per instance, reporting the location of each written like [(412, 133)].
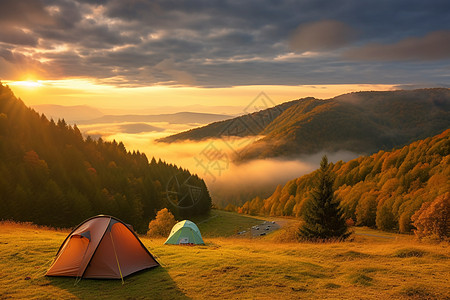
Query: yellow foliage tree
[(162, 224)]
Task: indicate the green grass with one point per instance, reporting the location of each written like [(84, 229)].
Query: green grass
[(230, 268), (221, 223)]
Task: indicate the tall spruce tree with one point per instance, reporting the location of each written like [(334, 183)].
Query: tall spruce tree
[(322, 217)]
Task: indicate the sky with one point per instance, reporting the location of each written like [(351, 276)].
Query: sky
[(180, 54)]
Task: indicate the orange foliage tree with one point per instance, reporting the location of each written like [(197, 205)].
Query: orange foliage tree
[(433, 218)]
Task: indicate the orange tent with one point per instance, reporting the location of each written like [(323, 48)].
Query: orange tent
[(101, 247)]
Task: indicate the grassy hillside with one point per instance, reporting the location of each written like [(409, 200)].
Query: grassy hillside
[(374, 266), (221, 223), (362, 122)]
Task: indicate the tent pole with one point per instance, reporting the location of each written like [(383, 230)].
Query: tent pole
[(117, 259)]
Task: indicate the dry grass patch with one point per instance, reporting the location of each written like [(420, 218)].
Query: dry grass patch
[(409, 252)]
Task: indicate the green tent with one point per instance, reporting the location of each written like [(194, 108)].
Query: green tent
[(185, 232)]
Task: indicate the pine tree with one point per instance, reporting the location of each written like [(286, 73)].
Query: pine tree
[(322, 217)]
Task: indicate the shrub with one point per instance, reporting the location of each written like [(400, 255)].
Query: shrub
[(350, 222), (287, 234)]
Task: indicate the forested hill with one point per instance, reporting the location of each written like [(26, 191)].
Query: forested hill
[(382, 190), (362, 122), (246, 125), (51, 175)]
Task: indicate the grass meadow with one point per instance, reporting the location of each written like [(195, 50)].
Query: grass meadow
[(374, 265)]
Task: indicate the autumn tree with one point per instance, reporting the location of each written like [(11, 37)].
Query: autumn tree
[(433, 218), (366, 210), (230, 207), (385, 219), (322, 216), (162, 224)]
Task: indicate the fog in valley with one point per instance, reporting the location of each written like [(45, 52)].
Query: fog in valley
[(212, 159)]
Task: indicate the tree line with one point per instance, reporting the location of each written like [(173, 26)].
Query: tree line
[(51, 175)]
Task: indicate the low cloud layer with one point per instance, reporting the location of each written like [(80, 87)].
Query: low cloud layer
[(227, 43), (212, 160)]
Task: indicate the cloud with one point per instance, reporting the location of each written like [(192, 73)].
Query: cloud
[(433, 46), (260, 177), (421, 86), (321, 36), (17, 36), (19, 65), (24, 13), (168, 67), (139, 128), (220, 44)]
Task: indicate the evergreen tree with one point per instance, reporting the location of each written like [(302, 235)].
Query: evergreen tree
[(322, 217)]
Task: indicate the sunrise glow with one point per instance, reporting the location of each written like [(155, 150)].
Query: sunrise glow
[(232, 100), (27, 83)]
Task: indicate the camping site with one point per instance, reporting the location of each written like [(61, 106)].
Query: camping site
[(228, 266), (201, 149)]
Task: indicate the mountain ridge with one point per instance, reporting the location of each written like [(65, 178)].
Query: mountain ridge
[(84, 114), (362, 122), (249, 124), (70, 113), (173, 118)]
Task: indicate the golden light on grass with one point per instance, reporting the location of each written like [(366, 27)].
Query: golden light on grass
[(376, 265)]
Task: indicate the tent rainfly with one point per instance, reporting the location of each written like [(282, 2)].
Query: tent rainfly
[(101, 247), (185, 232)]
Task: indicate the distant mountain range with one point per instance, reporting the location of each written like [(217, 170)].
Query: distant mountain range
[(83, 114), (362, 122), (175, 118), (71, 114)]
